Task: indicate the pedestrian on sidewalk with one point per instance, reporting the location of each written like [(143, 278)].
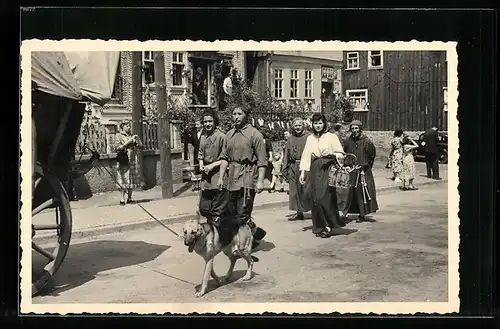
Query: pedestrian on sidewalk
[(396, 155), (269, 153), (362, 199), (408, 171), (244, 156), (277, 177), (299, 194), (126, 147), (431, 139), (321, 150), (212, 200)]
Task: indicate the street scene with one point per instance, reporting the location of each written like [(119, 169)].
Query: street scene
[(400, 258), (239, 176)]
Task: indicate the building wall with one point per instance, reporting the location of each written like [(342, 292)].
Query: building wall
[(301, 67), (98, 180), (324, 54), (238, 59), (407, 93)]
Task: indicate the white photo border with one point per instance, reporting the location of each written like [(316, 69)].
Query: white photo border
[(452, 306)]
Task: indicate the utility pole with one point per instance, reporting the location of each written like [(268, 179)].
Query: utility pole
[(137, 106), (163, 126)]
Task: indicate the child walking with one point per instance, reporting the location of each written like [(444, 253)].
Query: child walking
[(277, 176), (409, 171), (126, 157)]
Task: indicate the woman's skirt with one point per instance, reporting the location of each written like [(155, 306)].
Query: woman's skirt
[(397, 161), (324, 197), (127, 176)]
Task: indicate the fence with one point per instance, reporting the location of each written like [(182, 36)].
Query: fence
[(101, 138), (95, 137), (150, 135)]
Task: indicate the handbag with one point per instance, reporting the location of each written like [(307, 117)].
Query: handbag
[(339, 176)]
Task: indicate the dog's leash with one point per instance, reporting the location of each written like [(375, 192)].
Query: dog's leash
[(137, 203)]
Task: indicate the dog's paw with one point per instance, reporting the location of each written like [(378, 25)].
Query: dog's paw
[(199, 294)]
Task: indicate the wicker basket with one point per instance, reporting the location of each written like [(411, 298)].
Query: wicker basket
[(340, 175)]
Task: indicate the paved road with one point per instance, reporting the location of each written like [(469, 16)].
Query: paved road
[(401, 257)]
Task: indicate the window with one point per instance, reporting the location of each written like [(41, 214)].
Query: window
[(278, 83), (177, 69), (445, 98), (201, 83), (353, 60), (294, 83), (358, 98), (148, 64), (308, 86), (375, 59), (327, 73)]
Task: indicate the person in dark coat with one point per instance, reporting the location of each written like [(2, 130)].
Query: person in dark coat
[(359, 201), (299, 195), (430, 142)]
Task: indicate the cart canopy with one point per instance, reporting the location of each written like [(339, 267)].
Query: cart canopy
[(75, 75)]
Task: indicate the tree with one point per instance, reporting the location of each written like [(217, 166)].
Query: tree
[(341, 109)]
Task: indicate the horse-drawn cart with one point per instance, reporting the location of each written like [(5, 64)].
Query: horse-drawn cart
[(62, 82)]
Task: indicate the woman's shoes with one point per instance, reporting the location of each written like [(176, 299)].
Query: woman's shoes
[(326, 233)]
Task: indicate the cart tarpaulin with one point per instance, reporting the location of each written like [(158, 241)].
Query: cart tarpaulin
[(51, 73), (76, 75), (95, 72)]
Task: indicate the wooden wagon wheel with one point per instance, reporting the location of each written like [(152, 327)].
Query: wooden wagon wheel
[(54, 198)]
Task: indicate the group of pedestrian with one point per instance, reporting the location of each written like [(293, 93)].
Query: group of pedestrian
[(233, 167), (402, 162), (309, 157)]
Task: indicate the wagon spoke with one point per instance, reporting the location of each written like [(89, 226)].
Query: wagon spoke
[(47, 227), (43, 206), (37, 181), (43, 251)]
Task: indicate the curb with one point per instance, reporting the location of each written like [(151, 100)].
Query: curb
[(151, 223)]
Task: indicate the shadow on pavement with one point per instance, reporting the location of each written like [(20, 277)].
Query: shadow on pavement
[(237, 275), (182, 189), (265, 246), (85, 261)]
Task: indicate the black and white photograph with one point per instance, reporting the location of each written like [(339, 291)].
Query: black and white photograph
[(239, 177)]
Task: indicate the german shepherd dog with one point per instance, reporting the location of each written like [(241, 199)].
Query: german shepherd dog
[(203, 238)]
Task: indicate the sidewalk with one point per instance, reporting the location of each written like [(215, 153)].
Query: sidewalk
[(102, 213)]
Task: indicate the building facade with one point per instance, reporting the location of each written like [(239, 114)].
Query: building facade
[(185, 72), (397, 89), (292, 76)]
